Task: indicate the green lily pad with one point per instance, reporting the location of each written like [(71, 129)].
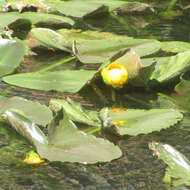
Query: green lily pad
[(25, 127), (62, 81), (65, 142), (81, 8), (175, 46), (11, 54), (51, 39), (136, 121), (178, 165), (76, 112), (38, 19), (99, 51), (36, 112), (168, 68)]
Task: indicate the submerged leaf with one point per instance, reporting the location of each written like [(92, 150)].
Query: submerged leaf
[(178, 164), (11, 54), (62, 81), (76, 112), (36, 112), (139, 121)]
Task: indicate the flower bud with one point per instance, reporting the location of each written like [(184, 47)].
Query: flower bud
[(115, 75)]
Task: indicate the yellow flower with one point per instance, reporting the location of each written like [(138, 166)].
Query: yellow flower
[(119, 122), (117, 109), (33, 158), (115, 75)]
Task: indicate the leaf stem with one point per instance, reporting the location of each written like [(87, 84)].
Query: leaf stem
[(57, 64)]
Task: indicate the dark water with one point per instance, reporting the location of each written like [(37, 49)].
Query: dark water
[(137, 169)]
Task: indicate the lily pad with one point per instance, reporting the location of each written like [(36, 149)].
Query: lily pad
[(168, 68), (36, 112), (76, 112), (11, 54), (25, 127), (175, 46), (51, 39), (99, 51), (78, 8), (178, 165), (136, 121), (62, 81), (65, 142), (38, 19)]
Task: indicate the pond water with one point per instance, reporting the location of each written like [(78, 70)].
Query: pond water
[(137, 169)]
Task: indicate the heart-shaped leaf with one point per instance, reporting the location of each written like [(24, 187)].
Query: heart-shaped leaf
[(62, 81), (136, 121), (11, 54)]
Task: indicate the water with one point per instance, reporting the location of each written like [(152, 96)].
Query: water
[(137, 169)]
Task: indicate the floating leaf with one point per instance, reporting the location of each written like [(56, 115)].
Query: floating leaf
[(62, 81), (137, 121), (99, 51), (25, 127), (178, 164), (175, 46), (38, 19), (36, 112), (168, 68), (11, 54), (78, 8), (65, 142), (51, 39), (76, 112)]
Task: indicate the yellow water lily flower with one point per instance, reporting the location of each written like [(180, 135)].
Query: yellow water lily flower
[(115, 75), (33, 158)]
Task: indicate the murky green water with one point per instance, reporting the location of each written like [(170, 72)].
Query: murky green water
[(137, 169)]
